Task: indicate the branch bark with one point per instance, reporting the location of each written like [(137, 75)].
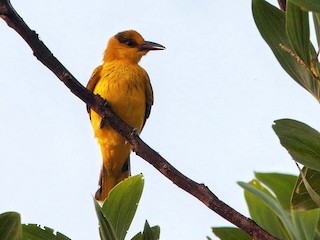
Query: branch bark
[(98, 104), (282, 4)]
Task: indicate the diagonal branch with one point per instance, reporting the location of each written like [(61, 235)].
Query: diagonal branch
[(282, 4), (98, 104)]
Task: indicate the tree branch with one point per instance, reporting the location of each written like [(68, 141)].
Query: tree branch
[(98, 104), (282, 4)]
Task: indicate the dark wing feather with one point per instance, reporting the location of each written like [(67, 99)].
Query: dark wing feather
[(93, 82), (149, 99)]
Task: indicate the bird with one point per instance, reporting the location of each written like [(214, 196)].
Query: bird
[(127, 89)]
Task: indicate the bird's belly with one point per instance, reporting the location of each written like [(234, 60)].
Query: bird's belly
[(127, 99)]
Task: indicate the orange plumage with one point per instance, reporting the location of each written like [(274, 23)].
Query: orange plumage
[(126, 87)]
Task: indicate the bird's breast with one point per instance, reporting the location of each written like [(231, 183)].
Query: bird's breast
[(123, 86)]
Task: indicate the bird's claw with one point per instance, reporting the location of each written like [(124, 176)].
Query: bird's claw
[(106, 104), (103, 121), (134, 133)]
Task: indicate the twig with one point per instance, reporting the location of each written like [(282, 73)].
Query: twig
[(200, 191), (282, 4)]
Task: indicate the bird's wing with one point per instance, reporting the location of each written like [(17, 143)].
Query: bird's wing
[(93, 82), (149, 99)]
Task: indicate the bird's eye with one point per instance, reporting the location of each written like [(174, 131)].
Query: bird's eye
[(130, 43)]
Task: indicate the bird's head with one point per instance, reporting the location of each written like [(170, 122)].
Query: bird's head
[(130, 46)]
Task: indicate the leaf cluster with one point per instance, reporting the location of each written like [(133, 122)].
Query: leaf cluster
[(288, 206), (288, 35), (12, 229), (270, 198), (115, 217), (116, 214)]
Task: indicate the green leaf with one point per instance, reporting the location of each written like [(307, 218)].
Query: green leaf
[(122, 203), (306, 222), (301, 199), (281, 184), (138, 236), (297, 24), (229, 233), (264, 216), (313, 194), (106, 229), (317, 235), (301, 141), (155, 230), (309, 5), (271, 23), (10, 226), (36, 232), (149, 234)]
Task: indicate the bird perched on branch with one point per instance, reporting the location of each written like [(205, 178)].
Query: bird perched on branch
[(126, 87)]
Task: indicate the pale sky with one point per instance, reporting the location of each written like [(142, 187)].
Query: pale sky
[(218, 88)]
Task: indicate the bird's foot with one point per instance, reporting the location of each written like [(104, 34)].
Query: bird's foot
[(134, 133), (103, 121)]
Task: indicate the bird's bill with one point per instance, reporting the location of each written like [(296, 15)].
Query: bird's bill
[(147, 46)]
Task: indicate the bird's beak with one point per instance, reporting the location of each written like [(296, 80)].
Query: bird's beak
[(147, 46)]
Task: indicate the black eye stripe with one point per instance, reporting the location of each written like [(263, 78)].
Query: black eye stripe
[(130, 42), (126, 40)]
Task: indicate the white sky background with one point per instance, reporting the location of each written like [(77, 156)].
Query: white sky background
[(218, 89)]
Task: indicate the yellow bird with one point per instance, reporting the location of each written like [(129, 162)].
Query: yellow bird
[(127, 88)]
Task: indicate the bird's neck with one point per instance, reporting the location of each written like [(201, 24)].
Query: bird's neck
[(110, 56)]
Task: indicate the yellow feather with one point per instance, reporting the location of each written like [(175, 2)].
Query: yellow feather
[(126, 87)]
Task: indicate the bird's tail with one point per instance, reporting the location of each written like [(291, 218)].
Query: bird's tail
[(109, 180)]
